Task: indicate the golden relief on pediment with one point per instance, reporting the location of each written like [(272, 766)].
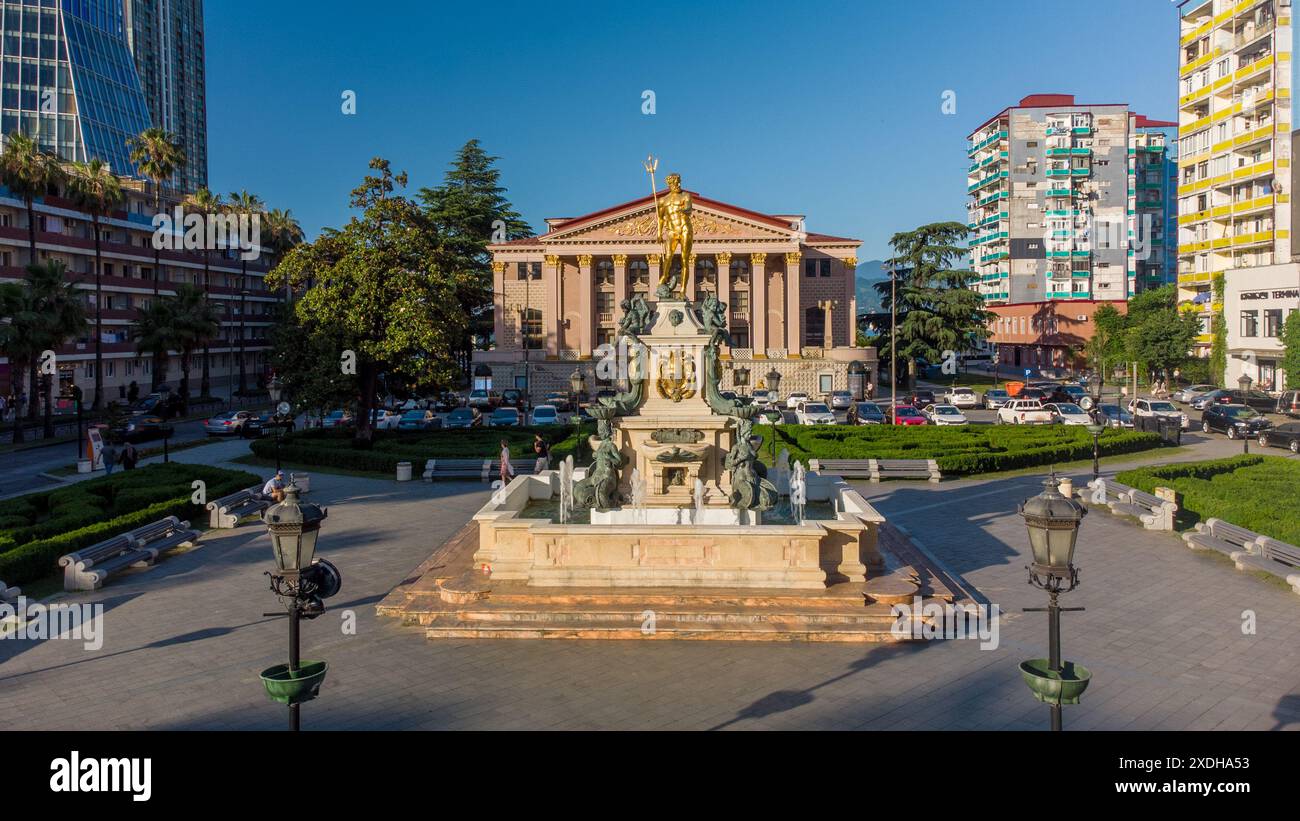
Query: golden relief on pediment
[(705, 225)]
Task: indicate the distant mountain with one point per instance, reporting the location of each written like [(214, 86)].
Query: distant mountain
[(869, 273)]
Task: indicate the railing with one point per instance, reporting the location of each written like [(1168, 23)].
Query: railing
[(742, 353)]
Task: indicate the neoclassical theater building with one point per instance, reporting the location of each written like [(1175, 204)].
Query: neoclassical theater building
[(790, 297)]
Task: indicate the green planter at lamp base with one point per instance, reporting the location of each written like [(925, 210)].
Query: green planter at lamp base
[(294, 687), (1052, 686)]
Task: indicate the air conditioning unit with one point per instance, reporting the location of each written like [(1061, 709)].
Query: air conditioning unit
[(1083, 317)]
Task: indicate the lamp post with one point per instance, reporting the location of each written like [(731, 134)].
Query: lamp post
[(1053, 524), (76, 401), (304, 581), (577, 385), (893, 347), (1096, 426), (774, 387), (243, 319), (276, 389), (1243, 383)]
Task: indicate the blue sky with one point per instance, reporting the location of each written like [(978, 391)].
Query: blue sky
[(832, 110)]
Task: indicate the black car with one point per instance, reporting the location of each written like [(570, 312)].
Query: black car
[(262, 425), (1037, 393), (1235, 420), (142, 429), (1068, 394), (1285, 435), (921, 398), (512, 398), (1258, 400), (165, 405)]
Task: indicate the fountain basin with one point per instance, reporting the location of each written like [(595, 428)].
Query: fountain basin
[(662, 547)]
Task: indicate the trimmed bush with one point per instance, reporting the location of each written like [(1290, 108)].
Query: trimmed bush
[(35, 530), (959, 451), (1255, 492)]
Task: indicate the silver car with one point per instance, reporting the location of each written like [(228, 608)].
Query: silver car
[(841, 400)]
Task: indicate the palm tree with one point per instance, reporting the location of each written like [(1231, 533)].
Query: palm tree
[(61, 314), (282, 234), (29, 173), (157, 154), (250, 205), (155, 332), (97, 192), (208, 204), (194, 321), (18, 323)]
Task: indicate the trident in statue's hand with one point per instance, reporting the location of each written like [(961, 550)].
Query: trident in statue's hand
[(651, 165)]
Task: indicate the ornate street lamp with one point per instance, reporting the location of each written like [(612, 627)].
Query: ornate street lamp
[(1244, 383), (305, 582), (282, 415), (1095, 428), (773, 385), (1053, 524)]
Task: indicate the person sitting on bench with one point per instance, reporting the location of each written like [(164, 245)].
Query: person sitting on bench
[(274, 487)]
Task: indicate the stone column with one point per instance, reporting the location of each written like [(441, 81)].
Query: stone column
[(586, 306), (653, 261), (723, 262), (793, 314), (620, 285), (554, 322), (851, 296), (758, 304), (499, 304), (828, 327)]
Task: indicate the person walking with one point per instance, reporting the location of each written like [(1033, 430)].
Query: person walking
[(132, 392), (543, 451), (109, 454), (507, 471), (130, 457)]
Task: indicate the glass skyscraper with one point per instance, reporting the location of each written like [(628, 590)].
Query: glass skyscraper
[(68, 79)]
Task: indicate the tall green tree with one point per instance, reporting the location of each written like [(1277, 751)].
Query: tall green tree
[(469, 211), (157, 154), (60, 315), (156, 332), (1290, 339), (194, 320), (281, 233), (938, 310), (97, 192), (386, 291), (243, 204), (207, 204), (19, 322), (29, 173), (1106, 347), (1218, 334)]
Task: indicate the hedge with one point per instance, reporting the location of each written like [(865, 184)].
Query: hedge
[(36, 529), (334, 448), (1255, 492), (959, 451)]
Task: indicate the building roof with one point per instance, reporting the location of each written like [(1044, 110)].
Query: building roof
[(1044, 101)]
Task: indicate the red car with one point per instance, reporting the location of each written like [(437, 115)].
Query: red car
[(908, 415)]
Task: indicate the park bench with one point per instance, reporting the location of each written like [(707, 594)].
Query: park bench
[(1222, 536), (1271, 556), (86, 569), (1154, 512), (228, 510), (1103, 491), (8, 593), (877, 469), (482, 469)]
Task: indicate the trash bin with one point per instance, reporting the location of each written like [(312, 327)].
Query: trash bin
[(403, 471), (1171, 430)]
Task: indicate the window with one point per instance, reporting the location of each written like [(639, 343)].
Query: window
[(604, 336), (814, 327), (825, 383), (1249, 323), (605, 272), (638, 271), (739, 338), (532, 329), (810, 267), (740, 271), (1272, 322), (740, 303), (605, 305), (534, 268)]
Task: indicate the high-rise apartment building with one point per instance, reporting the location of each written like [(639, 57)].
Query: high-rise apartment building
[(1236, 179), (1068, 201), (166, 39)]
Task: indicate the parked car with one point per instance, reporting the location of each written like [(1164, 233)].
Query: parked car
[(995, 398), (1157, 407), (1024, 412), (447, 401), (383, 419), (944, 415), (794, 400), (143, 428), (1037, 394), (1071, 394), (337, 419), (814, 413), (1234, 420), (465, 418), (481, 399), (558, 400), (1068, 413), (1258, 400), (418, 420), (164, 405), (261, 424), (962, 397), (841, 400), (1115, 416), (1288, 402), (544, 415), (514, 398), (1285, 435), (1190, 392), (908, 415), (1203, 400), (505, 418), (919, 398), (227, 423), (869, 413)]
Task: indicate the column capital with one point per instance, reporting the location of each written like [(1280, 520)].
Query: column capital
[(553, 260), (584, 260), (620, 259), (851, 262), (758, 258), (723, 258), (792, 257), (498, 267), (652, 259)]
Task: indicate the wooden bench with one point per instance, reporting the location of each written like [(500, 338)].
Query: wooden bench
[(1216, 534), (483, 470), (88, 568), (1155, 513), (877, 469), (228, 510)]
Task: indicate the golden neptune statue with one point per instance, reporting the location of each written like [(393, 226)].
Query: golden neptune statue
[(673, 216)]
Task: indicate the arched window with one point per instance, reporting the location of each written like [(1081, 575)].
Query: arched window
[(739, 271), (605, 272), (638, 273), (814, 327), (706, 277)]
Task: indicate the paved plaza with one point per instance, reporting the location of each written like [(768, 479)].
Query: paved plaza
[(185, 640)]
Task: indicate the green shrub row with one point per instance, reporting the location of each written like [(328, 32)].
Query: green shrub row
[(35, 530), (959, 451), (1255, 492)]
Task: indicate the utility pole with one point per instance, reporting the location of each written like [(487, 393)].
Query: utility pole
[(893, 347)]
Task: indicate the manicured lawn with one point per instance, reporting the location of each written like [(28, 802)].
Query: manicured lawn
[(960, 451), (1256, 492), (35, 530)]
